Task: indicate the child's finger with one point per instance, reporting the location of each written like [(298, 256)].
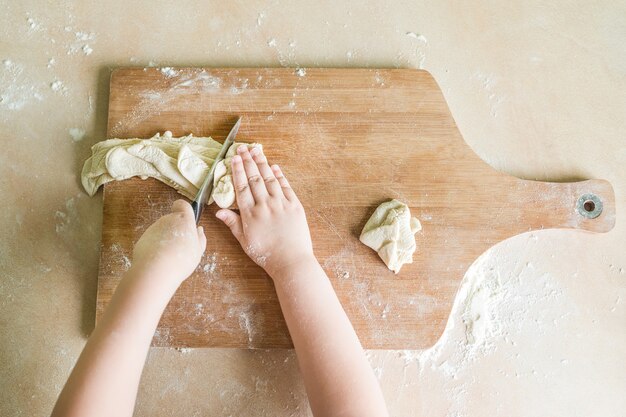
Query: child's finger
[(254, 176), (181, 206), (240, 181), (202, 239), (284, 184), (272, 185), (233, 221)]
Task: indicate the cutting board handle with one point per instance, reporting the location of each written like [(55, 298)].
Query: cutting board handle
[(587, 205)]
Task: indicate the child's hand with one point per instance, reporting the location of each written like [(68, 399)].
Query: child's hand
[(171, 247), (271, 226)]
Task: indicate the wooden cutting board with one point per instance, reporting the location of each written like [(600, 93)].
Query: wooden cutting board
[(348, 139)]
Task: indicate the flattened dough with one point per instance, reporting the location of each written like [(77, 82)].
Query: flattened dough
[(182, 163), (390, 232)]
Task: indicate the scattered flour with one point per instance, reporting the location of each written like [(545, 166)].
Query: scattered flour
[(32, 24), (84, 36), (211, 264), (300, 72), (119, 256), (499, 302), (17, 87), (386, 311), (419, 37), (77, 134), (422, 45), (259, 258), (80, 43), (57, 85), (64, 218), (155, 101), (246, 318), (488, 89), (239, 89), (169, 72)]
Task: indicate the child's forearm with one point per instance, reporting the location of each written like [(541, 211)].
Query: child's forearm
[(271, 227), (337, 375), (105, 379)]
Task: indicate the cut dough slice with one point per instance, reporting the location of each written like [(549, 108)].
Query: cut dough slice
[(223, 188), (390, 232), (182, 163)]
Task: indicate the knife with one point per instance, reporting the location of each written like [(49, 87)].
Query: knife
[(207, 186)]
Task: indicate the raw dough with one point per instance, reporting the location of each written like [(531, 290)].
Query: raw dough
[(390, 232), (182, 163)]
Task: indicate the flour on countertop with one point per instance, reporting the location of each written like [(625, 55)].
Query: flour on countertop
[(17, 87), (419, 37), (488, 84), (498, 303), (77, 134), (422, 46), (64, 218), (32, 24), (80, 43), (57, 86)]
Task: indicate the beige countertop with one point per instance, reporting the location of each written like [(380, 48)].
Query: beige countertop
[(537, 90)]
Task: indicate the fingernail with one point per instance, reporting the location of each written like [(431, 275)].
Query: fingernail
[(236, 159), (255, 151), (275, 167), (220, 215), (242, 148)]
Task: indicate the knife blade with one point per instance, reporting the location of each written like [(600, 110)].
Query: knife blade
[(204, 192)]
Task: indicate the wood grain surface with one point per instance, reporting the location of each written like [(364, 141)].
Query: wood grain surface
[(348, 139)]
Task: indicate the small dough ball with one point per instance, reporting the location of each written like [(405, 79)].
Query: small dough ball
[(390, 232)]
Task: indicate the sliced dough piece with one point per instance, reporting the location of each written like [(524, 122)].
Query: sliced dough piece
[(390, 232), (223, 188), (181, 163), (192, 166)]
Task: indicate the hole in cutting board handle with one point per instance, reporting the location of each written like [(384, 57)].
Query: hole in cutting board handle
[(589, 206)]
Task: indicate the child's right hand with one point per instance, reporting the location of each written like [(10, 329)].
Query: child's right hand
[(271, 226), (171, 248)]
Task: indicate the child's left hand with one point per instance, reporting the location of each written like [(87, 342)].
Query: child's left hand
[(171, 248)]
